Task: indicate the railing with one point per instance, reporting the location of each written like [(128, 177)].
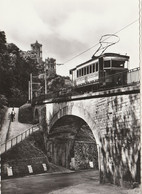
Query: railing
[(133, 76), (128, 77), (121, 79), (17, 139)]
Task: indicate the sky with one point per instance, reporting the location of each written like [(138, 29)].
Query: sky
[(66, 28)]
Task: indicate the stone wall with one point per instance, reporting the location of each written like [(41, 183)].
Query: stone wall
[(120, 151), (85, 155), (72, 154), (114, 119)]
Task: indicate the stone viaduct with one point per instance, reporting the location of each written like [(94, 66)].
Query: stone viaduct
[(112, 116)]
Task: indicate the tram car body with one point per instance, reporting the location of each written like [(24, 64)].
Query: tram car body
[(102, 71)]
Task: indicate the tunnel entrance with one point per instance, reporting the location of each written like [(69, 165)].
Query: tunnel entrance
[(71, 144)]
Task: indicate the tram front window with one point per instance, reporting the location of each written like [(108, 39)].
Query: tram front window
[(119, 64)]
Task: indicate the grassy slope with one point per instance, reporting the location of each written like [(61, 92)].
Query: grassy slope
[(31, 147)]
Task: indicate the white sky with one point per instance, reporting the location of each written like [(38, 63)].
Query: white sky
[(65, 28)]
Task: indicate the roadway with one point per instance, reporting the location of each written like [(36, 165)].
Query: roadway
[(82, 182)]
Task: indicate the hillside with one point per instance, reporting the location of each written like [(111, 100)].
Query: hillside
[(31, 151)]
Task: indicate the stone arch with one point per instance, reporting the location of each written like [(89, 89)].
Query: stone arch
[(79, 112), (72, 144)]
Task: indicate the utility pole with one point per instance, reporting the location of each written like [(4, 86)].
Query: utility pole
[(31, 87), (45, 81), (29, 91)]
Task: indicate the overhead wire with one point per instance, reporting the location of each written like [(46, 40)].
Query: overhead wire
[(99, 43)]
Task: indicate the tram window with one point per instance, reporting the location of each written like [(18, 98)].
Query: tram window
[(118, 64), (87, 69), (77, 73), (96, 66), (84, 70), (106, 64), (90, 68), (93, 66)]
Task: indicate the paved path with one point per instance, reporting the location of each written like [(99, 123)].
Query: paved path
[(83, 182), (15, 128)]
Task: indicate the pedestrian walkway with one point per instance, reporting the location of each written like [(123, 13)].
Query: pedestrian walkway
[(15, 127)]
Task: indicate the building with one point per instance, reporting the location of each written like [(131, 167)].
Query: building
[(37, 48), (49, 63), (50, 66)]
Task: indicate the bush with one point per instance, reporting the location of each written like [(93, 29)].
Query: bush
[(3, 101), (2, 114), (25, 114)]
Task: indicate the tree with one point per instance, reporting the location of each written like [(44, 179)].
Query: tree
[(15, 69), (2, 42)]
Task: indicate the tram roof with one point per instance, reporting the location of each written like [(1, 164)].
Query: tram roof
[(101, 56)]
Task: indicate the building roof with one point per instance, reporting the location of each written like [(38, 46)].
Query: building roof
[(36, 44)]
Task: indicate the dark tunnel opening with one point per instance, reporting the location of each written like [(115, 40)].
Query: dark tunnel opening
[(71, 144)]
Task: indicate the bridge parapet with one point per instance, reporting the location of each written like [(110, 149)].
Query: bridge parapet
[(133, 88)]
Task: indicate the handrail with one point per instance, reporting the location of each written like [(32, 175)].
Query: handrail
[(18, 138)]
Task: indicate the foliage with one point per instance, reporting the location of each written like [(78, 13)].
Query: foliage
[(2, 42), (3, 104), (57, 83), (15, 69), (3, 101), (25, 114)]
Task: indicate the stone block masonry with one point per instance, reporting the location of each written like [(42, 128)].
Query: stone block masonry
[(114, 119), (84, 153)]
